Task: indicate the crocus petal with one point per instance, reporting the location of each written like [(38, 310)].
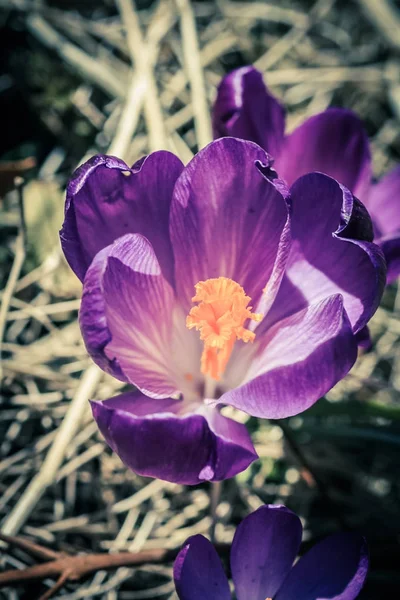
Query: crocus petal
[(263, 551), (229, 218), (363, 338), (335, 568), (141, 326), (333, 142), (139, 305), (245, 109), (302, 358), (198, 572), (390, 246), (383, 203), (107, 199), (92, 316), (155, 438), (331, 253)]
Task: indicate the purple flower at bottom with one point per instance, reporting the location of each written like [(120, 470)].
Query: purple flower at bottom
[(264, 548), (332, 142), (214, 285)]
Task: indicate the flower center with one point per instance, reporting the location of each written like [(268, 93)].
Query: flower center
[(220, 316)]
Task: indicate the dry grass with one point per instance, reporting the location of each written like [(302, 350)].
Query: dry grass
[(142, 78)]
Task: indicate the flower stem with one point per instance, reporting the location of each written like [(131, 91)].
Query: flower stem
[(215, 495), (314, 477)]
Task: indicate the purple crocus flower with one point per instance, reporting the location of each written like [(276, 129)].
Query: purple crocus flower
[(211, 285), (263, 551), (332, 142)]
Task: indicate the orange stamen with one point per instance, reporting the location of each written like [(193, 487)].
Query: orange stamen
[(220, 316)]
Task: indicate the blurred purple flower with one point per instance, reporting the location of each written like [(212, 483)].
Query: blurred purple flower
[(145, 239), (332, 142), (264, 548)]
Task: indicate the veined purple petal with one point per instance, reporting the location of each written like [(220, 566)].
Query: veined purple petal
[(335, 568), (139, 305), (140, 324), (263, 551), (390, 246), (234, 450), (333, 142), (198, 572), (325, 258), (157, 438), (383, 203), (92, 316), (301, 358), (228, 218), (107, 199), (363, 338), (245, 109)]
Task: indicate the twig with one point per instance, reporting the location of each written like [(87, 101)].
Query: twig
[(56, 587), (10, 170), (210, 52), (75, 567), (384, 16), (69, 427), (180, 147), (195, 76), (141, 496), (294, 35), (91, 68), (258, 11), (130, 115), (140, 57), (19, 258), (138, 87), (40, 312), (82, 565), (375, 73), (40, 552)]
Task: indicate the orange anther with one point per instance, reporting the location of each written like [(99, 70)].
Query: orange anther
[(220, 315)]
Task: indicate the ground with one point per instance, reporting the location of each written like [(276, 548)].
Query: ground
[(65, 70)]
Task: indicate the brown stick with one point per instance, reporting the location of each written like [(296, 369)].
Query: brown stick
[(56, 587), (79, 566), (73, 568), (33, 549)]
